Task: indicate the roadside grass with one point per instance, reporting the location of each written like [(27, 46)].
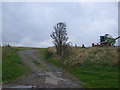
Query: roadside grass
[(37, 63), (12, 65), (91, 75), (91, 55)]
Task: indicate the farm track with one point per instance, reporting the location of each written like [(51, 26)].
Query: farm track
[(42, 74)]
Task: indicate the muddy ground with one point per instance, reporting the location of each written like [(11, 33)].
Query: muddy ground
[(42, 74)]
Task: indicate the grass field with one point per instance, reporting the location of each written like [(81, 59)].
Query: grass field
[(12, 66), (95, 67), (93, 74)]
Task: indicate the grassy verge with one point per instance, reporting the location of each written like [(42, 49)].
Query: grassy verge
[(93, 76), (12, 66)]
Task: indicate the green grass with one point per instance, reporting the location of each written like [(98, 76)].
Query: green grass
[(93, 76), (12, 65), (37, 63), (96, 76)]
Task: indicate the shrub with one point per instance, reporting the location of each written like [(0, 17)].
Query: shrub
[(93, 55)]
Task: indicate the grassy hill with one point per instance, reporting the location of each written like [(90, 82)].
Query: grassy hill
[(92, 56), (12, 65), (96, 67)]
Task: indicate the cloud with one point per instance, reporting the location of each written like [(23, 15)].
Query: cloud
[(30, 24)]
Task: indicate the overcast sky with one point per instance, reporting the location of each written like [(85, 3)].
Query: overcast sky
[(30, 24)]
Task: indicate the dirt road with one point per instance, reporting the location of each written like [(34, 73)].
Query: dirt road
[(42, 74)]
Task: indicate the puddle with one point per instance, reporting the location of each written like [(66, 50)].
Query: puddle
[(50, 74), (59, 74), (51, 80), (23, 86)]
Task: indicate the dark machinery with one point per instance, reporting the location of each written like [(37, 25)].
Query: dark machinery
[(106, 40)]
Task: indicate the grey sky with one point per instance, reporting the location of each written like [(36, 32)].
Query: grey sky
[(30, 24)]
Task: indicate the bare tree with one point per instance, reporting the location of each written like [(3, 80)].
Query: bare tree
[(60, 38)]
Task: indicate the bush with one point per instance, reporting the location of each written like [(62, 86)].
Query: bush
[(92, 56), (48, 54)]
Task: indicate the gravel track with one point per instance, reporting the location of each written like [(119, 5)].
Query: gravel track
[(42, 74)]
